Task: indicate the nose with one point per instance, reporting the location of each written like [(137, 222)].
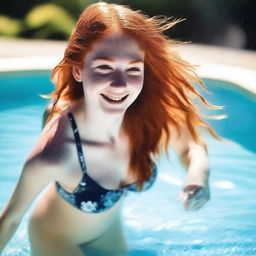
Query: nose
[(118, 79)]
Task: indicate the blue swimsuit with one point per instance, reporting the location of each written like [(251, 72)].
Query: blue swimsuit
[(89, 196)]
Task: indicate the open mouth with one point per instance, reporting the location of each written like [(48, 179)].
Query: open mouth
[(114, 100)]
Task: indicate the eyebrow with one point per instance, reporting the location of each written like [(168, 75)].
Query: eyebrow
[(112, 60)]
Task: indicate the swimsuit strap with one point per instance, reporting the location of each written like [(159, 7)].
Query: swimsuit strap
[(78, 142)]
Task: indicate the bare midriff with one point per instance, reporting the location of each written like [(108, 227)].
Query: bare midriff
[(54, 215)]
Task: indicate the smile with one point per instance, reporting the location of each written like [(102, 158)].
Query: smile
[(114, 100)]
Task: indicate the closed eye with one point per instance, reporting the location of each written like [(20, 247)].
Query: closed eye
[(104, 67), (134, 71)]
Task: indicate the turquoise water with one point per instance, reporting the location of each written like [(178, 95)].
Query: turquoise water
[(155, 221)]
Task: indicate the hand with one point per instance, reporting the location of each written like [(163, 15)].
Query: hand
[(194, 196)]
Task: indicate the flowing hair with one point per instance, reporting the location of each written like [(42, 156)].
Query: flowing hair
[(166, 99)]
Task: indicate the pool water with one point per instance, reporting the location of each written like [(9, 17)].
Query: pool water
[(155, 222)]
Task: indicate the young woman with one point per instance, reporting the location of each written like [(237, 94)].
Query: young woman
[(122, 97)]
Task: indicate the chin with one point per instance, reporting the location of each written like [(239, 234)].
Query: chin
[(116, 112)]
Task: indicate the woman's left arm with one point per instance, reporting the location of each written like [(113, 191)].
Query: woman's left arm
[(195, 192)]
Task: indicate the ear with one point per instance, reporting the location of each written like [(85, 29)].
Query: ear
[(77, 74)]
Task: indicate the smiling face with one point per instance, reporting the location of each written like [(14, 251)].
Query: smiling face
[(112, 74)]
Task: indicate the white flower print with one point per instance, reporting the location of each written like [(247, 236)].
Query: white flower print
[(88, 206), (82, 187), (110, 198)]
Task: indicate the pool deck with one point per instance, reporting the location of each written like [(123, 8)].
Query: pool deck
[(231, 65)]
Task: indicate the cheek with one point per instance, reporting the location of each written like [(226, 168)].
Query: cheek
[(95, 79), (136, 82)]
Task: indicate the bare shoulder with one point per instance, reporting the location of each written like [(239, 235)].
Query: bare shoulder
[(43, 165), (50, 150)]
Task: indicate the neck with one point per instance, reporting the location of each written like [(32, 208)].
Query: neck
[(96, 125)]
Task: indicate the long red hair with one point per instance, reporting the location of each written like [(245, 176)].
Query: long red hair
[(166, 99)]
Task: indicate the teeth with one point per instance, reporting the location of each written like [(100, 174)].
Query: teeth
[(112, 98)]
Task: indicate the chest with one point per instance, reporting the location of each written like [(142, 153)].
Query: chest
[(106, 165)]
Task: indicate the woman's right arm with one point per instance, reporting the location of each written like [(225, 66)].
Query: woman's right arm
[(36, 175)]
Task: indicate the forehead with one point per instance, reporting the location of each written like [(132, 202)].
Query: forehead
[(118, 46)]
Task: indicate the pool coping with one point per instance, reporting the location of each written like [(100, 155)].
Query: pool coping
[(41, 56)]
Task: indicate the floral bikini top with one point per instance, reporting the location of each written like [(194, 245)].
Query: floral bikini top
[(89, 196)]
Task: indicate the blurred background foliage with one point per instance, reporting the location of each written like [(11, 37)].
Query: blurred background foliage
[(228, 23)]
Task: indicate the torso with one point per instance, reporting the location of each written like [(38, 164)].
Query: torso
[(107, 165)]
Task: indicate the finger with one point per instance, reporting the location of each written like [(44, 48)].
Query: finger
[(189, 205), (198, 206), (193, 191), (191, 194), (192, 202), (195, 205), (190, 198), (183, 196)]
